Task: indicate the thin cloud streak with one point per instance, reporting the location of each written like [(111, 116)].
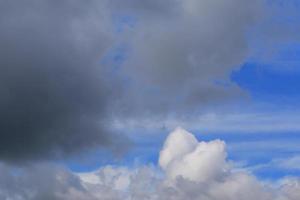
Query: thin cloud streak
[(272, 122)]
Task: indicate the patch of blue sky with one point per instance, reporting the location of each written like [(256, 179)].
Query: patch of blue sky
[(261, 82), (143, 151), (275, 81), (257, 151), (116, 56), (123, 22), (273, 173)]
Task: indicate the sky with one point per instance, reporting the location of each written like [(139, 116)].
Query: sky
[(149, 100)]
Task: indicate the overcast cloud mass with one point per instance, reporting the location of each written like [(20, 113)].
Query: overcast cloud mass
[(58, 97), (54, 94)]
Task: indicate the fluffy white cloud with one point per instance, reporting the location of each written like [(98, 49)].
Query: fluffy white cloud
[(183, 155)]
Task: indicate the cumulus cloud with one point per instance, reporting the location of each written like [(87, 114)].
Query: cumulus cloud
[(190, 182), (57, 97), (290, 189), (60, 90), (54, 93), (181, 59), (40, 181), (207, 176), (183, 156)]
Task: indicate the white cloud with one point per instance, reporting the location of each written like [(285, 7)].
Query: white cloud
[(178, 143), (182, 155), (191, 170)]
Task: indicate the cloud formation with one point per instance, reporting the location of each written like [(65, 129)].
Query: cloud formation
[(202, 179), (182, 155), (57, 97), (54, 93), (190, 170), (180, 58), (60, 89)]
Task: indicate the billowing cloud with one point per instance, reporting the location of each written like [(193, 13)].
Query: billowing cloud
[(183, 156), (57, 96), (180, 59), (54, 94), (207, 176), (148, 182), (41, 181), (60, 90)]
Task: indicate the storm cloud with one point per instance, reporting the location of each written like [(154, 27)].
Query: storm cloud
[(60, 89), (53, 90)]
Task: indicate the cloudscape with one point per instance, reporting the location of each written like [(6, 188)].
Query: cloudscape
[(149, 99)]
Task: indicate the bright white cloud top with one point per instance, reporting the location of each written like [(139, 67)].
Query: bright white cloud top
[(182, 155)]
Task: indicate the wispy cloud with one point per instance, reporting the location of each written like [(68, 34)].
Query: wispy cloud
[(223, 122)]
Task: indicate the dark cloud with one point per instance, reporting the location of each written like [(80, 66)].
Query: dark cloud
[(144, 9), (58, 96), (53, 90)]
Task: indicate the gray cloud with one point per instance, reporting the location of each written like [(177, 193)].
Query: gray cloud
[(58, 98), (180, 60), (46, 181), (54, 94), (40, 181)]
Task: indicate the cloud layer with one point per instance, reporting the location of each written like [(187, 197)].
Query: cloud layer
[(57, 94), (64, 79), (208, 176)]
